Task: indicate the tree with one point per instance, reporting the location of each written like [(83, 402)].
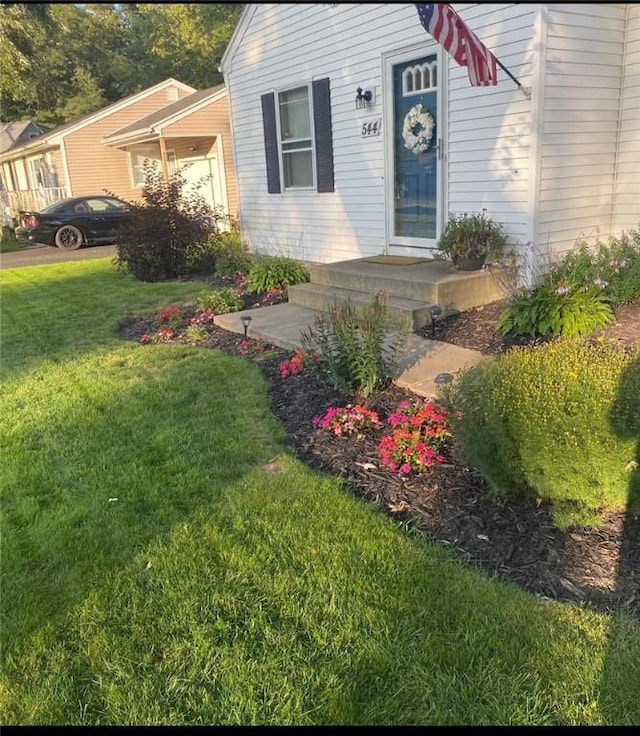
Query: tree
[(63, 60), (185, 41)]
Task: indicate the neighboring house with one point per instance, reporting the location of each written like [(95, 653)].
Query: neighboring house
[(106, 149), (193, 134), (13, 135), (326, 174)]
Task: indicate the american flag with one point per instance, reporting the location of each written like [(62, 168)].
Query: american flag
[(450, 31)]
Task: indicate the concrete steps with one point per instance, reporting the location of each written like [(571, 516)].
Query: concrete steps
[(319, 297), (410, 289)]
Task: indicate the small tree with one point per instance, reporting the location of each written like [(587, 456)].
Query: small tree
[(153, 244)]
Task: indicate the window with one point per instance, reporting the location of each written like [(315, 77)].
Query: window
[(172, 162), (298, 138), (420, 78), (105, 204), (295, 138), (137, 157), (8, 177), (37, 169), (21, 174)]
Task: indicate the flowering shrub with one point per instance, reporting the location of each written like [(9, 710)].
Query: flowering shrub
[(171, 315), (578, 292), (420, 428), (295, 365), (164, 334), (200, 319), (347, 420), (249, 348), (274, 296)]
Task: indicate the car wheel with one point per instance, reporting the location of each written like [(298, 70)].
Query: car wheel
[(69, 237)]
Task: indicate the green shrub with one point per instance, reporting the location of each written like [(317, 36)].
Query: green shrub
[(154, 244), (275, 272), (552, 310), (578, 294), (560, 422), (614, 267), (232, 254), (196, 333), (358, 349), (202, 257), (220, 301)]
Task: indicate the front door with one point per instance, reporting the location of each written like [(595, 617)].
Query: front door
[(414, 152)]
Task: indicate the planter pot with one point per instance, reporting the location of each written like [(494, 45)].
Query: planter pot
[(468, 262)]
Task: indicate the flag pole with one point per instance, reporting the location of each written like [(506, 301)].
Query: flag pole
[(526, 91)]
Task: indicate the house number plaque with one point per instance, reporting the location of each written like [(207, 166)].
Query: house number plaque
[(371, 127)]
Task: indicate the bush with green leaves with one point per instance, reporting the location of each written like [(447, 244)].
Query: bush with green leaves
[(614, 268), (358, 348), (153, 245), (553, 310), (233, 255), (579, 292), (559, 422), (219, 301), (275, 272)]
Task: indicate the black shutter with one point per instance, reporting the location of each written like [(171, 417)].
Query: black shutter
[(323, 134), (271, 143)]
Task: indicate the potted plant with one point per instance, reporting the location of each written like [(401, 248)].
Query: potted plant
[(471, 240)]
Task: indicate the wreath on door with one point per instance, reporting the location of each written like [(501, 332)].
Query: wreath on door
[(417, 130)]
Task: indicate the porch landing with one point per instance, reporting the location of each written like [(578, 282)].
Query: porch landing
[(412, 285)]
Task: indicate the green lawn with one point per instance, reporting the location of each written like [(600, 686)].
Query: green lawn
[(166, 561)]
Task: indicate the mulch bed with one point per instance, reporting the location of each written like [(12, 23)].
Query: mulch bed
[(513, 540)]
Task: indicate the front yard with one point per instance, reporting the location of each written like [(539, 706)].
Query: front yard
[(166, 558)]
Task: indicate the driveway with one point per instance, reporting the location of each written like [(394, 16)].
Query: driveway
[(35, 255)]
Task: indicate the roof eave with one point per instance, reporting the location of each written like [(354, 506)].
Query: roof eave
[(235, 39)]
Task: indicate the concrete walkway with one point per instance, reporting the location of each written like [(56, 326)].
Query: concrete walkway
[(281, 325)]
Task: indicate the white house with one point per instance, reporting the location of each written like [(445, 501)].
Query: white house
[(324, 176)]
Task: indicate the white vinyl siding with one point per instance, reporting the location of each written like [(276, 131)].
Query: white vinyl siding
[(626, 206), (582, 86), (488, 142), (549, 169), (300, 41)]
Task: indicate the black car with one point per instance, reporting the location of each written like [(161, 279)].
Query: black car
[(74, 222)]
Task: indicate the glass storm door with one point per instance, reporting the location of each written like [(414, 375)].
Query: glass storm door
[(415, 159)]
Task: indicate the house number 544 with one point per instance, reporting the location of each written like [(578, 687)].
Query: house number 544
[(370, 127)]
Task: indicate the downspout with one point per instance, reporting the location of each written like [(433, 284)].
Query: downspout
[(616, 162)]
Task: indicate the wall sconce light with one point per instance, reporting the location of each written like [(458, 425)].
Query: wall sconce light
[(435, 311), (245, 319), (363, 98)]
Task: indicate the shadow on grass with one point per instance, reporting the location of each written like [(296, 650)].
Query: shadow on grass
[(110, 452), (625, 420), (52, 312)]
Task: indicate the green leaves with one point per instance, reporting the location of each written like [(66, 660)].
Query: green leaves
[(358, 348), (275, 272), (63, 60)]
